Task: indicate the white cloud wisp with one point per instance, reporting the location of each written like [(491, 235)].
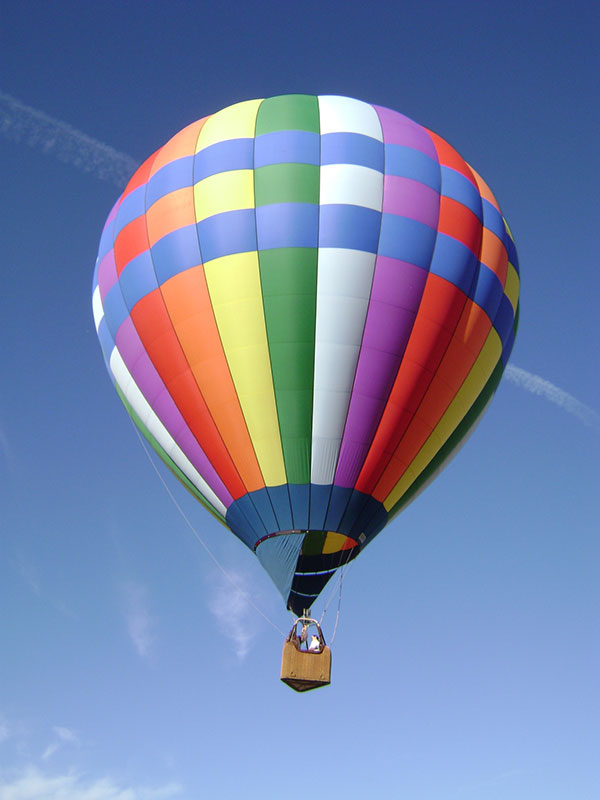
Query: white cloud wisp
[(32, 784), (540, 386), (23, 124), (140, 624)]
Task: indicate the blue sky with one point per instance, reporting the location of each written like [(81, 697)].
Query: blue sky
[(466, 657)]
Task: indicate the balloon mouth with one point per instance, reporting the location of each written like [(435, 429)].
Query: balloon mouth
[(318, 542), (301, 562)]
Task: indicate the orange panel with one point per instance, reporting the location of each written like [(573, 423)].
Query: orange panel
[(160, 342), (181, 145), (130, 242), (484, 190), (188, 304), (493, 255), (173, 211)]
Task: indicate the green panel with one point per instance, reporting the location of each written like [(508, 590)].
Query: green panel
[(295, 112), (460, 432), (289, 285), (167, 459), (313, 543), (286, 183)]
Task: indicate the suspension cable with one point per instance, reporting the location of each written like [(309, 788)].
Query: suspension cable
[(231, 580)]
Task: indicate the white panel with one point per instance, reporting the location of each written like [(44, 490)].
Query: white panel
[(348, 272), (141, 407), (97, 307), (343, 290), (352, 185), (343, 114)]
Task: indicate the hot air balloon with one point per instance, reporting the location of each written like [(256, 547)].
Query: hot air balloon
[(305, 304)]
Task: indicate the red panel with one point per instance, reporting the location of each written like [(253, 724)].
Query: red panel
[(439, 313), (160, 342), (130, 242), (140, 176), (464, 348), (460, 222), (448, 157)]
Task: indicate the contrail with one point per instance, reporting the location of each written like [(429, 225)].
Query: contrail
[(537, 385), (21, 123)]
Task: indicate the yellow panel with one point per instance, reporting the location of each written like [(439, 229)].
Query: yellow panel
[(236, 297), (513, 283), (225, 191), (235, 122), (455, 413), (334, 542)]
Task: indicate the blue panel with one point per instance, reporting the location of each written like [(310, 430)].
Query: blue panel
[(410, 163), (407, 240), (459, 188), (454, 261), (138, 279), (299, 494), (176, 252), (352, 148), (223, 157), (250, 525), (240, 526), (508, 346), (287, 225), (279, 556), (280, 500), (262, 503), (107, 342), (283, 147), (353, 227), (369, 515), (227, 233), (492, 219), (132, 207), (356, 506), (106, 241), (504, 320), (175, 175), (512, 251), (340, 496), (115, 310), (319, 503), (488, 291)]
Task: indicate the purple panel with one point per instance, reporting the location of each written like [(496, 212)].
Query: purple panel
[(150, 384), (409, 198), (398, 129), (107, 274), (397, 290)]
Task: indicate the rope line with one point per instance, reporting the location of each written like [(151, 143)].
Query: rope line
[(231, 580), (337, 585)]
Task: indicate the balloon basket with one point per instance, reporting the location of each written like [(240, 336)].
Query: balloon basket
[(305, 669)]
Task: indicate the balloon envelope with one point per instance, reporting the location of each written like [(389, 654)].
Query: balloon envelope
[(305, 303)]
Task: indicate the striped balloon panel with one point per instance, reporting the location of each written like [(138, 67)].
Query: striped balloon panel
[(305, 304)]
